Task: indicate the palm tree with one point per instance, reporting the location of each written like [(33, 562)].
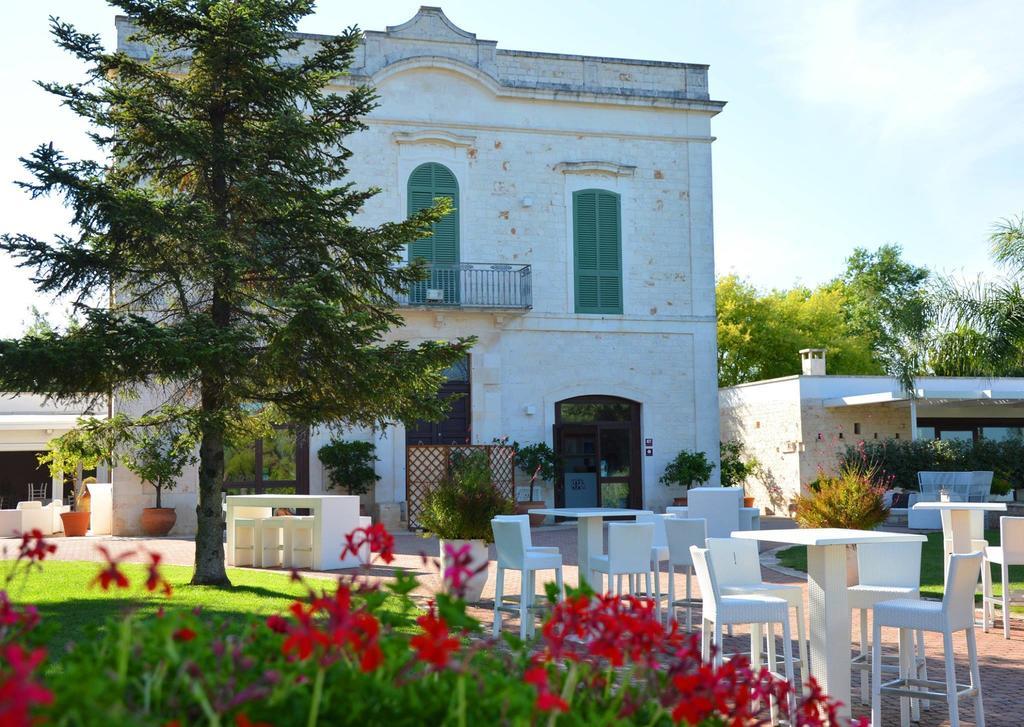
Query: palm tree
[(981, 324)]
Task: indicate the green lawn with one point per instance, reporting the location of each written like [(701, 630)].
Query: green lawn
[(71, 607), (931, 566)]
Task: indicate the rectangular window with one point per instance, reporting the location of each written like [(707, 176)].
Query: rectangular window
[(276, 463), (597, 251)]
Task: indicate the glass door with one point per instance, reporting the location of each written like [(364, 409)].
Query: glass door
[(580, 466)]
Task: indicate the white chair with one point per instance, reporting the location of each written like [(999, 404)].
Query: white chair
[(524, 525), (659, 552), (886, 571), (629, 554), (298, 542), (681, 534), (513, 554), (1010, 551), (37, 491), (246, 538), (34, 516), (719, 506), (978, 542), (738, 573), (954, 613), (721, 610)]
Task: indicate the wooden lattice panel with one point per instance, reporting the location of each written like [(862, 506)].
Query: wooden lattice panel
[(427, 464)]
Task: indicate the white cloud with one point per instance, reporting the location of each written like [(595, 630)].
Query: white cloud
[(905, 70)]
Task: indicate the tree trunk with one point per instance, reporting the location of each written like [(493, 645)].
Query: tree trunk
[(158, 498), (209, 569)]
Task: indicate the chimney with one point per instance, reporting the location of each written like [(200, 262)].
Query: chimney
[(812, 361)]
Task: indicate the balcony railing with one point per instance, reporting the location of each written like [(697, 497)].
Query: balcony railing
[(473, 285)]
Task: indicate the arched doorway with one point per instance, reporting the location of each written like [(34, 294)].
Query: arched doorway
[(598, 440)]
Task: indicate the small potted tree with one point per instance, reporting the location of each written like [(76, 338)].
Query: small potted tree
[(686, 469), (349, 466), (459, 512), (734, 468), (70, 454), (158, 456), (541, 463)]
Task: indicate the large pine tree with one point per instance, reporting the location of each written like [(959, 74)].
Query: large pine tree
[(221, 223)]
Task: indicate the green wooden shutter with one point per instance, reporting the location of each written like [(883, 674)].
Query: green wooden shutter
[(597, 251), (427, 183)]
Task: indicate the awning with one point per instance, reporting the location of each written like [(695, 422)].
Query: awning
[(9, 422), (931, 396)]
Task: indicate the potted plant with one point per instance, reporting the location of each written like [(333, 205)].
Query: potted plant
[(158, 456), (73, 452), (542, 463), (459, 511), (349, 466), (734, 469), (851, 499), (687, 467)]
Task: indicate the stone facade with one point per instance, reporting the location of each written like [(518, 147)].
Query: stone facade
[(521, 132)]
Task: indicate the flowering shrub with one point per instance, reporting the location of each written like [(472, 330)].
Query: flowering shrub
[(850, 499), (341, 656)]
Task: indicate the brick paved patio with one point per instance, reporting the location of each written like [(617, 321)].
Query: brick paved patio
[(1002, 662)]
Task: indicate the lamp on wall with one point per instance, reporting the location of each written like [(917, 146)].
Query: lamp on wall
[(530, 410)]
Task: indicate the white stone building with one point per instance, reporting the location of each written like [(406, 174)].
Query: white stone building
[(580, 254), (796, 426)]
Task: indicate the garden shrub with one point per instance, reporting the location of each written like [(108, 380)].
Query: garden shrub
[(350, 465), (850, 499), (463, 504), (900, 460), (340, 657)]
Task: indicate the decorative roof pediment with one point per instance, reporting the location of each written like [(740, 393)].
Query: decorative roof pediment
[(610, 169), (430, 23), (433, 136)]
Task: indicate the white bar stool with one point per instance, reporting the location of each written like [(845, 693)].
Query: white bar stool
[(886, 571), (629, 554), (681, 534), (514, 553), (738, 572), (1010, 551), (954, 613), (298, 542), (720, 610), (659, 552), (247, 521)]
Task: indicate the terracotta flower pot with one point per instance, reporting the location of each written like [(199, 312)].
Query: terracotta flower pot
[(158, 521), (748, 502), (478, 556), (76, 524), (679, 501), (523, 508)]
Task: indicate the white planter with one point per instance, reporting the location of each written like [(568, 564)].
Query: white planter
[(479, 556)]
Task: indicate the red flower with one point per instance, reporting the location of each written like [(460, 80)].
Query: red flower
[(547, 701), (184, 634), (34, 546), (375, 536), (242, 720), (328, 626), (277, 623), (19, 693), (111, 574), (435, 645), (154, 579)]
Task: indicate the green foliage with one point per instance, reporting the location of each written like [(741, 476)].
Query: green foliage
[(220, 217), (734, 467), (463, 504), (687, 468), (850, 499), (899, 460), (537, 460), (350, 465), (887, 303), (760, 334), (158, 456)]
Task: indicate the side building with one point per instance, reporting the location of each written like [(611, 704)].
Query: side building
[(796, 426)]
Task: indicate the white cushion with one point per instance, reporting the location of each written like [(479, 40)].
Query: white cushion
[(867, 596), (910, 614), (30, 505), (542, 561), (790, 593)]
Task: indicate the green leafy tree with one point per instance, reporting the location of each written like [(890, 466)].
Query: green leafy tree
[(220, 218), (887, 303), (350, 465), (761, 333)]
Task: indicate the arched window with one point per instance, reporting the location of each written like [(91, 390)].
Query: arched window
[(597, 251), (427, 183)]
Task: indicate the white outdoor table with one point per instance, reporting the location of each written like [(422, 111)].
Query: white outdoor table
[(960, 514), (826, 591), (589, 535), (334, 516)]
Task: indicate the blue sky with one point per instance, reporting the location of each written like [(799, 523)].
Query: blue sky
[(849, 122)]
